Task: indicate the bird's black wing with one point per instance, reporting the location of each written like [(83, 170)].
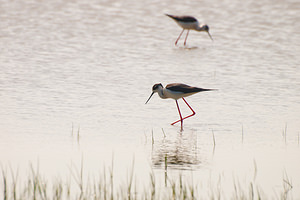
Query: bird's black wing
[(179, 87), (183, 18)]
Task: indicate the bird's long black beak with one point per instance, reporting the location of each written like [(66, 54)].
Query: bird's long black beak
[(210, 36), (149, 97)]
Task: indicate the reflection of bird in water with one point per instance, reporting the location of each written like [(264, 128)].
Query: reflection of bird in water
[(178, 153), (177, 91), (189, 23)]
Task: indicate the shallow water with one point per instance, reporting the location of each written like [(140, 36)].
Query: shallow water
[(70, 67)]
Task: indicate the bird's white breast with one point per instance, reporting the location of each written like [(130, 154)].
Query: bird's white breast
[(188, 25), (173, 94)]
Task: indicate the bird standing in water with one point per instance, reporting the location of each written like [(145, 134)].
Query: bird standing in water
[(189, 23), (177, 91)]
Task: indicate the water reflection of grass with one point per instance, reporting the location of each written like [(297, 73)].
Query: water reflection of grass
[(177, 187)]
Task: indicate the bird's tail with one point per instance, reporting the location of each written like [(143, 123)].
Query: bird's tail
[(170, 16), (203, 89)]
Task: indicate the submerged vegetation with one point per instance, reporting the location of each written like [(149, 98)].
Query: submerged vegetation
[(80, 186)]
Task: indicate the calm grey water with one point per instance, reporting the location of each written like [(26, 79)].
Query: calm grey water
[(87, 67)]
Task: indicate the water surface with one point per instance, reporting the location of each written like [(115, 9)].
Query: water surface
[(70, 67)]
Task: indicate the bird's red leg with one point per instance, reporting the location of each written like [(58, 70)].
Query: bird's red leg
[(181, 119), (186, 37), (179, 115), (179, 36)]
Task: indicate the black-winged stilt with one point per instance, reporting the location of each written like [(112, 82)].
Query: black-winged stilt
[(189, 23), (177, 91)]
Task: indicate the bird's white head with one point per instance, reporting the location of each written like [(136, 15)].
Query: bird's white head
[(156, 87), (205, 28)]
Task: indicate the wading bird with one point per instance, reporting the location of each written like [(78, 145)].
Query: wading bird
[(189, 23), (176, 91)]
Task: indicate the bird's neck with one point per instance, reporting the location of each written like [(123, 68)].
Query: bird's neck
[(200, 28), (161, 93)]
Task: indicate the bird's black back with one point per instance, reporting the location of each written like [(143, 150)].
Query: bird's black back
[(179, 87), (183, 18)]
